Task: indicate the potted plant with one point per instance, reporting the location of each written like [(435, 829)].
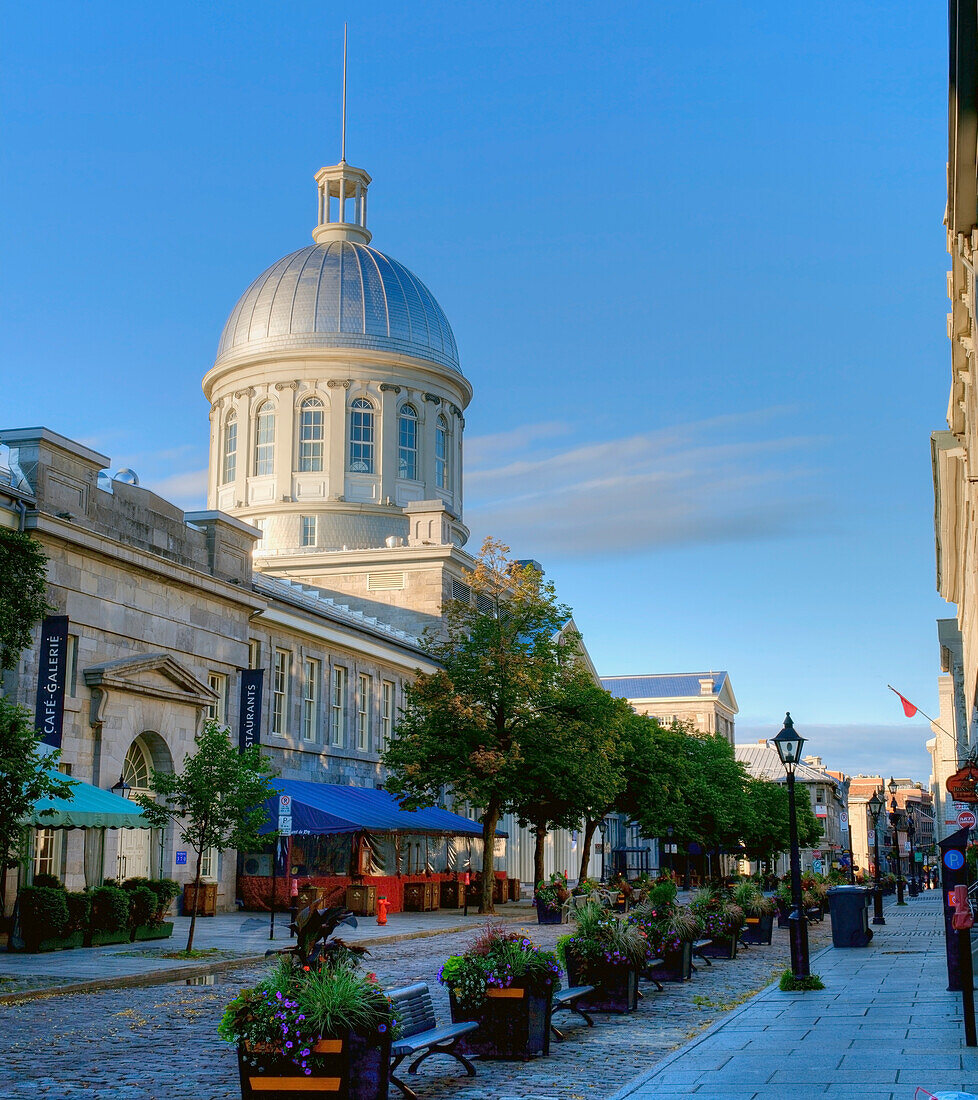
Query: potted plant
[(549, 898), (109, 921), (758, 912), (314, 1021), (720, 920), (670, 930), (606, 951), (507, 983)]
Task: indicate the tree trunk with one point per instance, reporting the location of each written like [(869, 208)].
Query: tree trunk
[(539, 846), (590, 827), (193, 912), (490, 819)]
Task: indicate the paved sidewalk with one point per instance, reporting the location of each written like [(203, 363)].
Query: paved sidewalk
[(239, 937), (884, 1024)]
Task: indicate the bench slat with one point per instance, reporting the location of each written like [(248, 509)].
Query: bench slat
[(411, 1044)]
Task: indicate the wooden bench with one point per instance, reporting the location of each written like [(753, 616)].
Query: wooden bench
[(698, 946), (420, 1033), (649, 965), (568, 998)]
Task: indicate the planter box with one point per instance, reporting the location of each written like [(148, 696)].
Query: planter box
[(723, 947), (204, 900), (452, 895), (548, 915), (615, 987), (362, 900), (758, 929), (676, 966), (421, 897), (103, 939), (161, 931), (513, 1023), (500, 890), (349, 1068), (514, 889), (55, 943)]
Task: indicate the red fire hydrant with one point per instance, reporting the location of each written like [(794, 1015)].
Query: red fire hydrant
[(382, 910)]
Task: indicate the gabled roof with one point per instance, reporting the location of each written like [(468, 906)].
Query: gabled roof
[(672, 685)]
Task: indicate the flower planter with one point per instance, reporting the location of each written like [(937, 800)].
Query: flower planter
[(721, 947), (615, 987), (548, 914), (758, 929), (349, 1067), (161, 931), (676, 966), (452, 895), (55, 943), (514, 1023), (103, 939), (514, 889)]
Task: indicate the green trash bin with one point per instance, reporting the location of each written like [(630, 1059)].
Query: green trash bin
[(850, 923)]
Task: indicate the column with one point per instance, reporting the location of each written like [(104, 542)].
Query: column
[(387, 442), (336, 442)]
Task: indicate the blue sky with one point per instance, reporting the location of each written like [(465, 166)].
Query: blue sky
[(692, 253)]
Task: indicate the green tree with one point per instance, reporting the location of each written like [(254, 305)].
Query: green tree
[(22, 594), (720, 810), (26, 776), (767, 830), (571, 759), (217, 799), (463, 727)]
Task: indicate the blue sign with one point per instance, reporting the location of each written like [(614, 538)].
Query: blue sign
[(181, 858), (249, 712), (52, 667), (954, 859)]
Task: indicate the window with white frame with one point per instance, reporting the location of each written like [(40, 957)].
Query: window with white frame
[(261, 524), (310, 699), (72, 659), (338, 707), (265, 440), (407, 443), (209, 864), (312, 434), (363, 714), (254, 653), (280, 690), (218, 709), (47, 852), (386, 712), (229, 457), (442, 470), (309, 526), (361, 436)]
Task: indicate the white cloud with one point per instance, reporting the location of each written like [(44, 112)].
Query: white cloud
[(186, 490), (693, 483)]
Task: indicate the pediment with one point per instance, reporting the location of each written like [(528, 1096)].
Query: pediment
[(154, 674)]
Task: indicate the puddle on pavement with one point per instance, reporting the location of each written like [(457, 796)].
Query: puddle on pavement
[(202, 979)]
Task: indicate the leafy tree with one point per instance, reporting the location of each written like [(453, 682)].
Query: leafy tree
[(464, 726), (767, 831), (216, 799), (717, 794), (572, 760), (22, 594), (658, 793), (25, 777)]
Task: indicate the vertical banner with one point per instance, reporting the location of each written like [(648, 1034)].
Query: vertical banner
[(52, 668), (249, 710)]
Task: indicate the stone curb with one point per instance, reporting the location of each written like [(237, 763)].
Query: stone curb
[(644, 1079), (181, 973)]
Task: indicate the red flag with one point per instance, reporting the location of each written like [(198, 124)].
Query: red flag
[(908, 708)]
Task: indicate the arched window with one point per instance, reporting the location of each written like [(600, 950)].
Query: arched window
[(407, 443), (442, 466), (361, 437), (229, 462), (136, 768), (312, 432), (265, 440)]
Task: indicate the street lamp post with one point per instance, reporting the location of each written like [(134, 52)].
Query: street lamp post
[(911, 833), (789, 743), (669, 832), (875, 809), (895, 826)]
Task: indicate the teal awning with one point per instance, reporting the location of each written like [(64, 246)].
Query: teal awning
[(88, 808)]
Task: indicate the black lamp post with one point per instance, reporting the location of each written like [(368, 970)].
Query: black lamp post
[(911, 833), (789, 743), (121, 787), (895, 826), (875, 809), (603, 827), (669, 833)]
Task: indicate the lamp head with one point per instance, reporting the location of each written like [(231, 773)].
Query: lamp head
[(788, 743), (876, 805)]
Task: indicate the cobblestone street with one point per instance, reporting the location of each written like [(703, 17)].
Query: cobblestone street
[(159, 1042)]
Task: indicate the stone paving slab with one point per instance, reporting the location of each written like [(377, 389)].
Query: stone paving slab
[(884, 1025)]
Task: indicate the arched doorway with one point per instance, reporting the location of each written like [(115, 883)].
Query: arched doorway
[(136, 845)]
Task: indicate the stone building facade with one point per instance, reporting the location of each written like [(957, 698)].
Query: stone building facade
[(704, 700)]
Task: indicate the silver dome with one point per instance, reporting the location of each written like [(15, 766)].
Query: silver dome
[(341, 294)]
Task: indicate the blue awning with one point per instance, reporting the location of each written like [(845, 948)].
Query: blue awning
[(319, 809), (86, 807)]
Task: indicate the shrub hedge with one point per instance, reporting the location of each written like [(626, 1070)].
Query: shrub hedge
[(110, 909), (43, 913)]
